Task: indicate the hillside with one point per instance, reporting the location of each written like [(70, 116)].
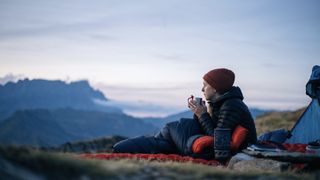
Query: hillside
[(103, 144), (41, 127), (30, 128), (277, 120)]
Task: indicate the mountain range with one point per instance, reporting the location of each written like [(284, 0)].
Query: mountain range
[(43, 127), (38, 93), (50, 113)]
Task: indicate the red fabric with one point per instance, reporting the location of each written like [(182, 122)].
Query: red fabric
[(238, 137), (174, 157), (295, 147), (201, 143), (220, 79), (158, 157)]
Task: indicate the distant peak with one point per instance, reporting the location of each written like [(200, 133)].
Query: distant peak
[(80, 83), (10, 78), (81, 88)]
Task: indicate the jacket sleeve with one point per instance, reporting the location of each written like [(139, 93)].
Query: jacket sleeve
[(208, 124), (230, 114)]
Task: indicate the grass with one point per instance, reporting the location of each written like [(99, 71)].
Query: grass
[(277, 120), (50, 165)]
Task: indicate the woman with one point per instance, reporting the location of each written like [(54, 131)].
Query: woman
[(225, 110)]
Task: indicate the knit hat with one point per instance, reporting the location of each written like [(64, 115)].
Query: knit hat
[(221, 79)]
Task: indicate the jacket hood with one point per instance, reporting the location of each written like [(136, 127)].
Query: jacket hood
[(234, 92)]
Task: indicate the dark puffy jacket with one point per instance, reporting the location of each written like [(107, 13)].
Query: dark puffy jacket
[(228, 111)]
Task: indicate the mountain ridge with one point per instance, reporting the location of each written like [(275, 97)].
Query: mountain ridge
[(49, 94)]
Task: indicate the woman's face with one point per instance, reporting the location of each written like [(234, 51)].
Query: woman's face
[(207, 90)]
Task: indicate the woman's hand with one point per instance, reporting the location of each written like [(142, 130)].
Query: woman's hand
[(197, 109)]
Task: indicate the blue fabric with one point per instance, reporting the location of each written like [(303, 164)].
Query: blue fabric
[(144, 144), (278, 136), (181, 131), (190, 143), (313, 85), (173, 138), (307, 128)]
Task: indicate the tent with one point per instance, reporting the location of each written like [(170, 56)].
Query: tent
[(307, 128)]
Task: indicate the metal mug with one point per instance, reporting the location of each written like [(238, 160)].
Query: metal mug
[(197, 99)]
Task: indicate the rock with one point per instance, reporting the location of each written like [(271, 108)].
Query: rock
[(243, 162)]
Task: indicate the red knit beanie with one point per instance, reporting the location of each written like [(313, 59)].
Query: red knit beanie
[(221, 79)]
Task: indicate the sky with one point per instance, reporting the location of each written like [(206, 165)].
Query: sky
[(151, 55)]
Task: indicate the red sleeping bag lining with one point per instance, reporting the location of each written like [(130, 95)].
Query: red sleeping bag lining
[(174, 157), (152, 157)]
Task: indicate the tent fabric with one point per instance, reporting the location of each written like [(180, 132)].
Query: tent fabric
[(153, 157), (307, 128)]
